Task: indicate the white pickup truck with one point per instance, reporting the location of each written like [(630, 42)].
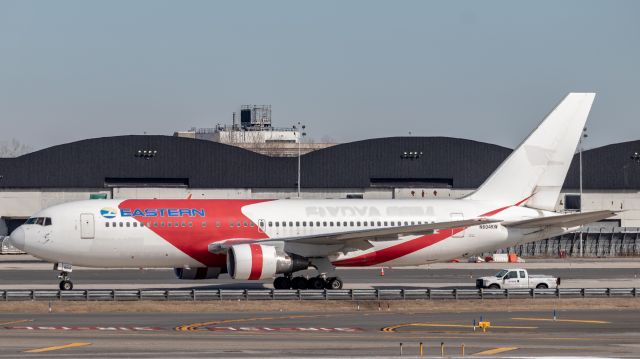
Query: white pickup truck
[(517, 278)]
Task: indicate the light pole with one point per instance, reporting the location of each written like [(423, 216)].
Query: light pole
[(301, 134), (583, 135)]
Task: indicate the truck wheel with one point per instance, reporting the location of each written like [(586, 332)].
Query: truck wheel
[(542, 286), (494, 286)]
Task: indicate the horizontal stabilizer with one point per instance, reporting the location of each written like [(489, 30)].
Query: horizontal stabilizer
[(563, 220)]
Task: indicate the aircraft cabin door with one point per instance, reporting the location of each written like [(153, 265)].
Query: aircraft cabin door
[(87, 227), (457, 217), (261, 225)]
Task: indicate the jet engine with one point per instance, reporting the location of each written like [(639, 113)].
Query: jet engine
[(198, 273), (256, 261)]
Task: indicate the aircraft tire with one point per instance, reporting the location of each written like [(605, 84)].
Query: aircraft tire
[(66, 285)]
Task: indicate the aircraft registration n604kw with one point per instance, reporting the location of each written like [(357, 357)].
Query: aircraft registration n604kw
[(258, 239)]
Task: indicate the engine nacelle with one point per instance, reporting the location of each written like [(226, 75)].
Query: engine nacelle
[(197, 273), (256, 261)]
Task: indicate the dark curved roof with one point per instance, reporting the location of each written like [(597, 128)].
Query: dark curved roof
[(451, 162)]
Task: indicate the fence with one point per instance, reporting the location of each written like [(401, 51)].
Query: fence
[(345, 294), (616, 242)]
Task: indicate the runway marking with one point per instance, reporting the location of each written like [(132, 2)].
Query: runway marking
[(195, 326), (64, 328), (496, 351), (17, 321), (285, 329), (393, 328), (563, 320), (58, 347)]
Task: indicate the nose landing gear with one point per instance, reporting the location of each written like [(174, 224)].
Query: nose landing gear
[(65, 270)]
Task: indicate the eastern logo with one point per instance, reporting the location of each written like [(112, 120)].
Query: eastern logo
[(108, 212)]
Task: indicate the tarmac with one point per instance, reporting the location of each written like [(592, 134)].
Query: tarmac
[(601, 333), (26, 272), (605, 327)]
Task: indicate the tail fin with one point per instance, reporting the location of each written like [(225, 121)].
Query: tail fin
[(537, 168)]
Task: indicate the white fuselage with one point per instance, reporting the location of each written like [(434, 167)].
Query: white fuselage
[(177, 233)]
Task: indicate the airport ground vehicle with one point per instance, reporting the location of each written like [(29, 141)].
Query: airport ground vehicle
[(516, 278), (253, 239)]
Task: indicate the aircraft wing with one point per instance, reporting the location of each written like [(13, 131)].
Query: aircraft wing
[(351, 237), (563, 220)]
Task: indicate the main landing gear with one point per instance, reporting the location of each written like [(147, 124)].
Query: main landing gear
[(65, 271), (300, 282)]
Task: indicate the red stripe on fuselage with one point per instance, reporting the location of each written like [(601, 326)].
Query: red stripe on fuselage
[(194, 240), (402, 249), (256, 261)]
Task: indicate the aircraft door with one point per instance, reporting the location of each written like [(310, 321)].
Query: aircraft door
[(457, 217), (87, 226)]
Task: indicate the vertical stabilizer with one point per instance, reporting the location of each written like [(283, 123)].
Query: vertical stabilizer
[(538, 167)]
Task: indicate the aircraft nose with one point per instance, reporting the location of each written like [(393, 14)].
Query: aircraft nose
[(17, 238)]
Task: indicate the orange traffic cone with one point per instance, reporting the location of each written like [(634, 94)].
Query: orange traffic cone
[(382, 271)]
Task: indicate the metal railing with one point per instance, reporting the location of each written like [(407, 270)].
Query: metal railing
[(344, 294)]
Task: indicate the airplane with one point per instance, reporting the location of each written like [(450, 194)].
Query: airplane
[(255, 239)]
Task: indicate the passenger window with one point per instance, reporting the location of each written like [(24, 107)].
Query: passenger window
[(317, 224), (385, 223), (218, 224), (270, 224), (277, 224), (324, 224), (310, 224), (128, 224), (155, 224), (284, 223), (337, 224), (148, 224), (344, 224), (413, 223), (290, 224), (184, 224), (176, 224), (135, 224), (113, 224), (190, 224), (358, 223), (304, 223), (406, 223), (245, 224), (250, 224), (297, 224), (106, 224), (331, 224), (121, 224), (230, 224), (169, 224), (364, 223), (204, 224)]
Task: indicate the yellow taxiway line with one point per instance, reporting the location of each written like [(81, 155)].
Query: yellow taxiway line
[(496, 351), (393, 328), (564, 320), (58, 347)]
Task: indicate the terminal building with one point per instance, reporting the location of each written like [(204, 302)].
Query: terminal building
[(397, 167)]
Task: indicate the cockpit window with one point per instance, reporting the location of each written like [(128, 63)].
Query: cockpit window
[(42, 221)]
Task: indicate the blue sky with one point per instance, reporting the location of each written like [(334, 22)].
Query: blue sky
[(483, 70)]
